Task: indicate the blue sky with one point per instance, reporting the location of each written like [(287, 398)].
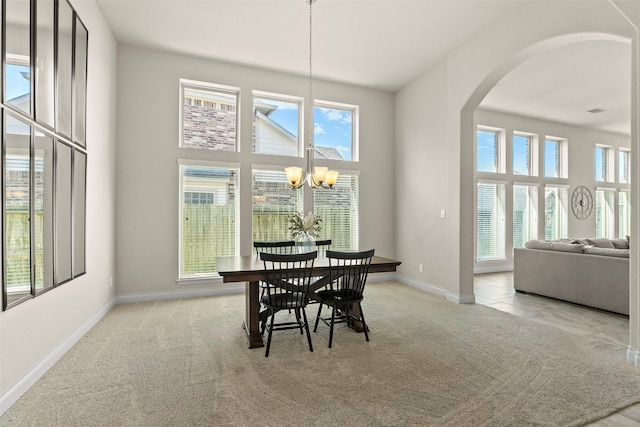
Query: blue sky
[(16, 84), (332, 127)]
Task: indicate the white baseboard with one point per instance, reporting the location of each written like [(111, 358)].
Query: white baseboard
[(633, 356), (13, 393), (458, 299), (492, 268), (229, 289)]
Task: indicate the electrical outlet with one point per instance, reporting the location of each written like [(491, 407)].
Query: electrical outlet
[(111, 281), (420, 268)]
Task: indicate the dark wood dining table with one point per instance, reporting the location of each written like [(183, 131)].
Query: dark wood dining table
[(250, 269)]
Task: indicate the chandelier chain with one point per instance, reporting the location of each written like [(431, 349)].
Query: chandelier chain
[(310, 120)]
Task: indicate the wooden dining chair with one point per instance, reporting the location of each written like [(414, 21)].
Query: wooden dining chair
[(348, 273), (277, 247), (288, 277)]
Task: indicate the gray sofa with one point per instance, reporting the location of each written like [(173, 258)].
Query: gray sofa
[(591, 272)]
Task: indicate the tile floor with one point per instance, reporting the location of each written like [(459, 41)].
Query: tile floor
[(496, 290)]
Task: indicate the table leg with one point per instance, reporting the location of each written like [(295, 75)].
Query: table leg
[(251, 323)]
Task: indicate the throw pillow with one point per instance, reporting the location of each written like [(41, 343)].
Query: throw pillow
[(620, 243), (601, 243)]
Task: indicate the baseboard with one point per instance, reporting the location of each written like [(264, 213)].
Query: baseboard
[(13, 393), (461, 299), (633, 356), (492, 268), (458, 299), (381, 277), (230, 289)]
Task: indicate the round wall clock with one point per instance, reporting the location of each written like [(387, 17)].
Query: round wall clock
[(582, 202)]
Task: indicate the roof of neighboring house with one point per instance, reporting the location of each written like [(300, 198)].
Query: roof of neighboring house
[(327, 153)]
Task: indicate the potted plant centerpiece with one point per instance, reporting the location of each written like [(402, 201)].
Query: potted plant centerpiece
[(304, 229)]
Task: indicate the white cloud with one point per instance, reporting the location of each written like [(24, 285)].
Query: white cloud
[(345, 152), (318, 129)]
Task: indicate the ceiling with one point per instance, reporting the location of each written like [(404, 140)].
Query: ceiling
[(383, 44)]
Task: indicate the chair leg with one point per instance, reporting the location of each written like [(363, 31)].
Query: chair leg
[(333, 319), (266, 354), (315, 328), (299, 320), (364, 324), (306, 327)]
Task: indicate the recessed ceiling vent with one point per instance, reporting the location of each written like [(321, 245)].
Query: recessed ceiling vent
[(596, 111)]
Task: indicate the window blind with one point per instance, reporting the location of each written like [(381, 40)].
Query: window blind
[(339, 210), (490, 221), (525, 214), (208, 218), (555, 206), (605, 224), (624, 214), (272, 203)]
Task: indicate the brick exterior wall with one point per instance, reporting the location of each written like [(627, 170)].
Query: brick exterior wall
[(209, 125)]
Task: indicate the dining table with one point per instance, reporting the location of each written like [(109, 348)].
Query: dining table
[(250, 269)]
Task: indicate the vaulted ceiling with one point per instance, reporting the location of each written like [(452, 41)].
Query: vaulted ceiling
[(383, 44)]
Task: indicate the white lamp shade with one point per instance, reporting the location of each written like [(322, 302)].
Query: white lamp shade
[(319, 172), (331, 177)]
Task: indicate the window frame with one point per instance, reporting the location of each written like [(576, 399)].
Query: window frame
[(532, 153), (213, 87), (205, 277), (500, 150), (355, 125), (624, 178), (283, 98), (501, 242), (562, 166)]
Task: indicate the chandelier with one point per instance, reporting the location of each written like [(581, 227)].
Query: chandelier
[(314, 176)]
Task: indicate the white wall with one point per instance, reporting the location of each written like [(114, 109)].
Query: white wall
[(581, 169), (147, 171), (37, 332), (445, 98)]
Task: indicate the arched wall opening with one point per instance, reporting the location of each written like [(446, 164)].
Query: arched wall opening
[(467, 143)]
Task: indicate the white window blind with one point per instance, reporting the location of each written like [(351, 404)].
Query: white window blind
[(623, 167), (624, 214), (272, 203), (490, 221), (605, 222), (601, 164), (525, 214), (208, 218), (555, 210), (208, 116), (338, 209)]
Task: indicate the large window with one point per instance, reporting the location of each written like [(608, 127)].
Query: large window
[(605, 217), (624, 213), (272, 203), (335, 131), (339, 209), (603, 164), (555, 212), (525, 214), (490, 221), (276, 124), (524, 154), (623, 167), (555, 158), (489, 150), (208, 116), (209, 217)]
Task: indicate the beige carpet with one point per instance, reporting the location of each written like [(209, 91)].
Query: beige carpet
[(429, 362)]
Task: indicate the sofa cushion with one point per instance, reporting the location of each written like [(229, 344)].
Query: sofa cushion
[(601, 243), (593, 250), (554, 246), (620, 243)]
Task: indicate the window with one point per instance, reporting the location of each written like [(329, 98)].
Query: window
[(490, 221), (555, 212), (623, 167), (338, 208), (208, 217), (208, 114), (489, 150), (335, 131), (624, 214), (273, 202), (605, 219), (525, 214), (276, 124), (555, 158), (524, 154), (603, 166)]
